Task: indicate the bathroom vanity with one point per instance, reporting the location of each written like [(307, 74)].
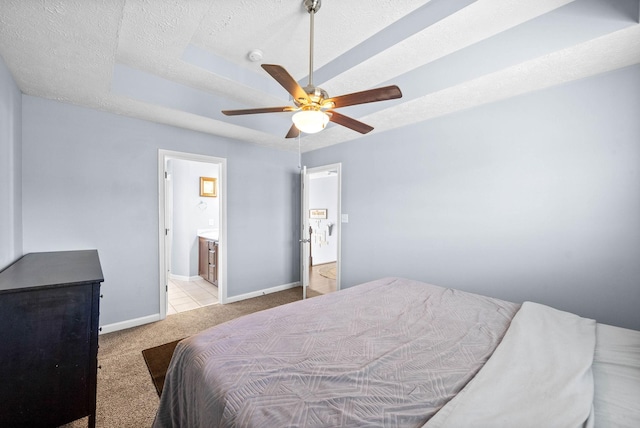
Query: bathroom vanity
[(208, 257)]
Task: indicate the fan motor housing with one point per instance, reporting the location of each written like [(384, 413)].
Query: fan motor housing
[(317, 95)]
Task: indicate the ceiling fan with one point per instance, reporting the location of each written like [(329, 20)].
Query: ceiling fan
[(313, 106)]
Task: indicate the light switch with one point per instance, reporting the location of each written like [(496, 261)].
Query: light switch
[(211, 222), (345, 218)]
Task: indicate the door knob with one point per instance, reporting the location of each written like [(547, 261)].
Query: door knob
[(304, 241)]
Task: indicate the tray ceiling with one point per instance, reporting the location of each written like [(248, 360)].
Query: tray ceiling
[(181, 62)]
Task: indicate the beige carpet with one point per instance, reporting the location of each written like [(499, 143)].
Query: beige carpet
[(126, 394)]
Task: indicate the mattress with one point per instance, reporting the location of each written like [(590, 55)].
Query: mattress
[(616, 372), (390, 352), (540, 375), (398, 352)]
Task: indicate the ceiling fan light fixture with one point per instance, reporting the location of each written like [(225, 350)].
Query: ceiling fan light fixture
[(313, 105), (310, 121)]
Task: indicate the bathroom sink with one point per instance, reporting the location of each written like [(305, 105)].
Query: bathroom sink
[(208, 234)]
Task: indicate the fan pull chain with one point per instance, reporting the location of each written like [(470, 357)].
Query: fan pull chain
[(299, 153)]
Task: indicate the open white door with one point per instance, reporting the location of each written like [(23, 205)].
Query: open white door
[(305, 239), (168, 235)]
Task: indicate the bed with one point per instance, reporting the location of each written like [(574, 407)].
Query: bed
[(398, 352)]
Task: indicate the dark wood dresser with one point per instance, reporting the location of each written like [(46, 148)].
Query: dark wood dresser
[(49, 308)]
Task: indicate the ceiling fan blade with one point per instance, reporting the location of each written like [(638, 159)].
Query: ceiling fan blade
[(257, 110), (350, 123), (293, 132), (369, 96), (283, 77)]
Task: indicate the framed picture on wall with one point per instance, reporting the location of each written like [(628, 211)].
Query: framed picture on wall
[(208, 187), (318, 213)]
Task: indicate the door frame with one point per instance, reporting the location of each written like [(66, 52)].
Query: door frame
[(338, 225), (305, 239), (163, 251)]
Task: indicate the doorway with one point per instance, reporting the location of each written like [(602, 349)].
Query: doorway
[(323, 222), (185, 214)]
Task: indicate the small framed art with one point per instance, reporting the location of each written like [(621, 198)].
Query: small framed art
[(208, 187), (318, 213)]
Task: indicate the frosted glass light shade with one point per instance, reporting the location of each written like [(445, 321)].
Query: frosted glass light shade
[(310, 121)]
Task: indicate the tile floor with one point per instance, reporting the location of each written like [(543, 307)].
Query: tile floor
[(188, 295)]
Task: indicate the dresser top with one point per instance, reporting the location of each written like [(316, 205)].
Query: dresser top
[(52, 269)]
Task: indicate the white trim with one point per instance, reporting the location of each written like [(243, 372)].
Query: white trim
[(263, 292), (161, 236), (183, 278), (305, 247), (163, 157), (110, 328)]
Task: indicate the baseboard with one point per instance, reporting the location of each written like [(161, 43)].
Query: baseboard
[(183, 278), (110, 328), (324, 263), (262, 292)]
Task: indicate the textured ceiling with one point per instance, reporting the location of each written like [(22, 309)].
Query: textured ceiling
[(180, 62)]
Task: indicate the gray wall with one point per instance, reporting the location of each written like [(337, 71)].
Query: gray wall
[(533, 198), (10, 168), (90, 181)]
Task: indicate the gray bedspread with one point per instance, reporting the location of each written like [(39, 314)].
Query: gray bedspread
[(390, 352)]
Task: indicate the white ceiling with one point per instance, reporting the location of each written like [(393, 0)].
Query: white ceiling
[(180, 62)]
